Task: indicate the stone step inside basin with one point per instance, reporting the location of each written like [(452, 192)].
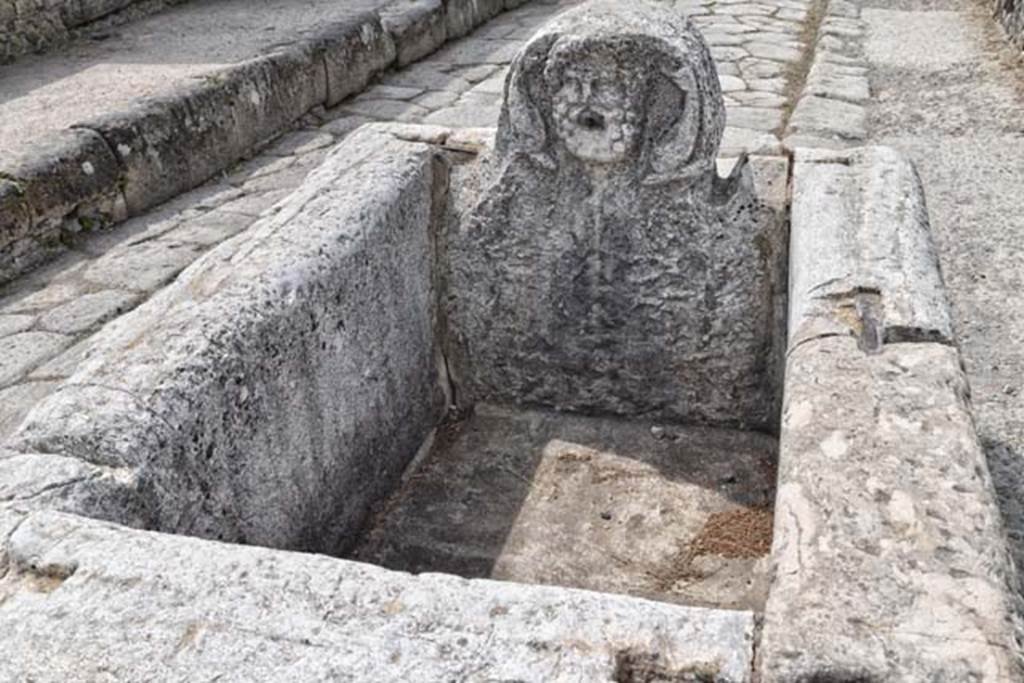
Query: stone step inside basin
[(566, 352)]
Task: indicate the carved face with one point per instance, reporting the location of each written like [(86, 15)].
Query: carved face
[(596, 106)]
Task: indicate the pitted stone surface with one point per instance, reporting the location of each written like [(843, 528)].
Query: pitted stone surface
[(304, 355), (889, 559), (600, 264), (77, 591)]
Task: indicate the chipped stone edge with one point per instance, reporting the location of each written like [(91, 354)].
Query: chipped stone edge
[(224, 117)]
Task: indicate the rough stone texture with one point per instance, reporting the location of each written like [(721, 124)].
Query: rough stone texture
[(1011, 14), (56, 187), (598, 263), (861, 252), (619, 506), (77, 588), (302, 355), (889, 559)]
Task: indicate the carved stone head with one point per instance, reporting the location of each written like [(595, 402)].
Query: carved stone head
[(613, 85)]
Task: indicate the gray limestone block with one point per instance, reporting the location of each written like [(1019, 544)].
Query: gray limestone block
[(47, 181), (889, 559), (595, 261), (280, 385), (416, 27), (462, 16), (354, 51), (862, 259), (78, 591)]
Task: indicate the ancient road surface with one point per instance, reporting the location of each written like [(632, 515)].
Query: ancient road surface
[(949, 92), (47, 317)]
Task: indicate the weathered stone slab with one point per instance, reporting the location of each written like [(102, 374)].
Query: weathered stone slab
[(279, 385), (862, 261), (596, 262), (78, 588), (73, 174), (417, 28), (889, 559)]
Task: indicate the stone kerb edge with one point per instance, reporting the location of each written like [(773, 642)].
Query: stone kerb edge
[(831, 110), (889, 558), (222, 119)]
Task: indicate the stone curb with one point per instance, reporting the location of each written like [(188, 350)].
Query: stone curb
[(889, 559), (831, 111), (163, 146)]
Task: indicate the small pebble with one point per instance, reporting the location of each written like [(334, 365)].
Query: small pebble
[(658, 432)]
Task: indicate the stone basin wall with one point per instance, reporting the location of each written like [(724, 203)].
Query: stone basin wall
[(280, 386)]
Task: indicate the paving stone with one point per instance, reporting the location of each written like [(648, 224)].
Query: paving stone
[(344, 123), (211, 228), (744, 9), (14, 323), (142, 268), (45, 298), (253, 205), (781, 53), (821, 116), (466, 116), (775, 85), (428, 77), (737, 140), (729, 53), (63, 365), (437, 99), (390, 110), (87, 311), (759, 99), (389, 92), (17, 400), (755, 118), (21, 352), (300, 142), (731, 83), (727, 69)]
